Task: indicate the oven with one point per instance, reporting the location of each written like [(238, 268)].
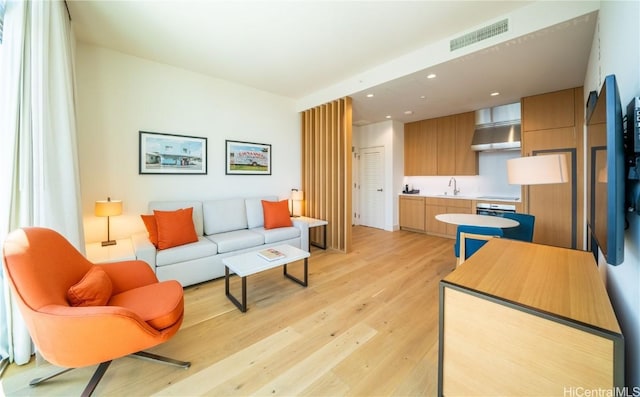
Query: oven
[(494, 209)]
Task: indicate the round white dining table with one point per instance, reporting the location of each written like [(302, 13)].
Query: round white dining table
[(477, 220)]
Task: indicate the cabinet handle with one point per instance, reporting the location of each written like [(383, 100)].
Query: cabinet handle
[(379, 190)]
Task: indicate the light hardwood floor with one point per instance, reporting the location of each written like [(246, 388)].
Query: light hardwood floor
[(367, 325)]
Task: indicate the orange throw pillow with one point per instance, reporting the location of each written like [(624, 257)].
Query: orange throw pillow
[(276, 214), (152, 228), (175, 228), (93, 290)]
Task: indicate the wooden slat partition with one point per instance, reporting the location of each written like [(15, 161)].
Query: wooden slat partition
[(326, 170)]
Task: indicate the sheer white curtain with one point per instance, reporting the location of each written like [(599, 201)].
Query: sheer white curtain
[(38, 159)]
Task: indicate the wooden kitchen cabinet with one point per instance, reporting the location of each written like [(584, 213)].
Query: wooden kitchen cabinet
[(457, 206), (440, 146), (412, 144), (447, 145), (433, 207), (421, 148), (412, 213), (418, 214), (547, 111), (522, 319), (553, 123), (466, 159), (441, 205)]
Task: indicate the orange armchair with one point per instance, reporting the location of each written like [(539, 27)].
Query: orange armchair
[(122, 308)]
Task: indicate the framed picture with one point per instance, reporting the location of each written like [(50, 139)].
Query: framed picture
[(172, 154), (247, 158)]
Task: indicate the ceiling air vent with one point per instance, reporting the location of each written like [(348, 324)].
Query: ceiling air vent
[(479, 35)]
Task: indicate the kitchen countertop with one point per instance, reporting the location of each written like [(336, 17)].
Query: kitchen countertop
[(466, 197)]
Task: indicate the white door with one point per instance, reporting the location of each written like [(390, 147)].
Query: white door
[(372, 187)]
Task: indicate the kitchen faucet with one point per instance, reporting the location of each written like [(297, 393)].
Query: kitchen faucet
[(455, 186)]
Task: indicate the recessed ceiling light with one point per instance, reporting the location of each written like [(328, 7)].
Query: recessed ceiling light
[(369, 95), (495, 93), (431, 76), (388, 116), (423, 97), (408, 112)]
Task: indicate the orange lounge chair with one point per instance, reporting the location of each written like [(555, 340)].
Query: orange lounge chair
[(122, 308)]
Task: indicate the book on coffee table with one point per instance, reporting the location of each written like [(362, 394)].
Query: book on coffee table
[(271, 254)]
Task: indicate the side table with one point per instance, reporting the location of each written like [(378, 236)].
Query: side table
[(121, 251), (312, 222)]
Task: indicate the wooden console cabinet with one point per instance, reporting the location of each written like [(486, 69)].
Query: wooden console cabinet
[(522, 319)]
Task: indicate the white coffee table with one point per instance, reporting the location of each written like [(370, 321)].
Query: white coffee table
[(250, 263)]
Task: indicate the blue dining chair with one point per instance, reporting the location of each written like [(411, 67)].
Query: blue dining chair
[(522, 232), (473, 244)]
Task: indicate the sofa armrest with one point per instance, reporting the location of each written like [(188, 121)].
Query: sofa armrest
[(304, 233), (144, 249)]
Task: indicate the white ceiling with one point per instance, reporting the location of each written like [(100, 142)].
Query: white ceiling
[(297, 48)]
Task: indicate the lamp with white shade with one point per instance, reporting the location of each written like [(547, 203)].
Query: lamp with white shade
[(296, 195), (543, 169), (538, 170), (108, 208)]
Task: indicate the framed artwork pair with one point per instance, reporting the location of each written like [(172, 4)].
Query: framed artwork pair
[(182, 154)]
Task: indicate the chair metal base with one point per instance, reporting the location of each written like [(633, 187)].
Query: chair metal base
[(161, 359), (102, 368)]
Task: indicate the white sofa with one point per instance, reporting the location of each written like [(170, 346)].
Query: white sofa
[(225, 227)]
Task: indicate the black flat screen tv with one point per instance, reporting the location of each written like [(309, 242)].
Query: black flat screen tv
[(605, 172)]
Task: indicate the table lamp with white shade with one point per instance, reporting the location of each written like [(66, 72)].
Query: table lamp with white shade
[(108, 208), (296, 195)]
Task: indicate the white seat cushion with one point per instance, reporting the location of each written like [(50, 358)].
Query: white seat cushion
[(236, 240), (277, 234), (182, 253)]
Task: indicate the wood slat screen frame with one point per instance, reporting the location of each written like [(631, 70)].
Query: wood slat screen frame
[(326, 169)]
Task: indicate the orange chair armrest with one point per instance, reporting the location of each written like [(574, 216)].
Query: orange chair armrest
[(128, 275)]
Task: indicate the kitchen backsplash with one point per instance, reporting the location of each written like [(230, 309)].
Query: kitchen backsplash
[(491, 181)]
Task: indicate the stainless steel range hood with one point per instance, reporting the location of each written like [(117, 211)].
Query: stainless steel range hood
[(497, 128), (496, 137)]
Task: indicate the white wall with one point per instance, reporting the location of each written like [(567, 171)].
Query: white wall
[(390, 135), (119, 95), (616, 50)]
